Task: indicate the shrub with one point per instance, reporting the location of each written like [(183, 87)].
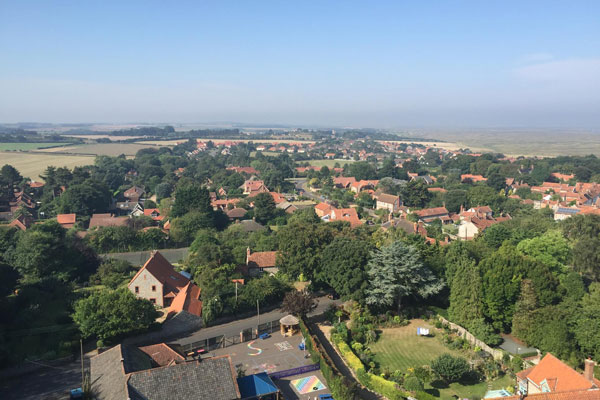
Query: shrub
[(450, 368), (387, 388), (424, 396), (351, 358), (413, 384), (438, 324)]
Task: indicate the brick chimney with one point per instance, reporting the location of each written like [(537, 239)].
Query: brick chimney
[(247, 255), (588, 372)]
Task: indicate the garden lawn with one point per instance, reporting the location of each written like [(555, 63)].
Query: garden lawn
[(329, 163), (401, 348)]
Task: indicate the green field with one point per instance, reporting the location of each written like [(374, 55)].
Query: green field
[(401, 348), (329, 163), (29, 146)]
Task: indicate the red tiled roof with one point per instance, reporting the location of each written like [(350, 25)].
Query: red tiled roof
[(99, 220), (33, 184), (323, 207), (560, 376), (188, 299), (162, 354), (474, 178), (66, 218), (346, 214), (262, 259), (584, 394), (428, 212)]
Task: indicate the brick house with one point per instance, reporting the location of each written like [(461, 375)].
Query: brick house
[(429, 214), (134, 193), (388, 202), (254, 187), (261, 261), (158, 281), (551, 375)]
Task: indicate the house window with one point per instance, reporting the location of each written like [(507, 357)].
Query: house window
[(153, 288), (137, 289), (153, 301)]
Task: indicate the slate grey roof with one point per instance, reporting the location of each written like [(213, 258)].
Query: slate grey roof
[(210, 379), (107, 375)]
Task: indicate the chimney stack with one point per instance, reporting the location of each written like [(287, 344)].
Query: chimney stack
[(588, 372)]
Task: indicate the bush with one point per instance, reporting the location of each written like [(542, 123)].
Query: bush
[(413, 384), (424, 396), (450, 368), (387, 388), (351, 358)]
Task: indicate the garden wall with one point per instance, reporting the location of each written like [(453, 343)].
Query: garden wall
[(468, 336)]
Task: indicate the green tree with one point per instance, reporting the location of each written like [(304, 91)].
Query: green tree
[(588, 322), (300, 246), (450, 368), (344, 263), (496, 181), (395, 272), (454, 199), (112, 273), (551, 248), (84, 199), (191, 197), (10, 176), (415, 194), (524, 317), (112, 314), (465, 293), (264, 208)]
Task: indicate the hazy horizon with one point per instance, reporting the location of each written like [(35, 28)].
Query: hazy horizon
[(346, 64)]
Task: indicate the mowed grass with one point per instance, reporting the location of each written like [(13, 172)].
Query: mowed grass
[(401, 348), (32, 165), (29, 146), (329, 163)]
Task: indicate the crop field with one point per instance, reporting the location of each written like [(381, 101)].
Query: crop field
[(257, 140), (162, 142), (30, 146), (33, 164), (102, 149), (329, 163)]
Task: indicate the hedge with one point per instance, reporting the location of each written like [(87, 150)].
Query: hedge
[(374, 382), (341, 387)]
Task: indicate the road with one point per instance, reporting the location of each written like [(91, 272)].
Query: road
[(302, 184), (50, 383), (234, 328)]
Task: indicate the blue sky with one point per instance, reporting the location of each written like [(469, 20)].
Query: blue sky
[(344, 63)]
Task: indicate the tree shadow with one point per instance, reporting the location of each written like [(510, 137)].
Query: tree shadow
[(439, 384)]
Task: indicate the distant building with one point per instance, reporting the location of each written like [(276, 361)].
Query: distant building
[(388, 202), (261, 261), (67, 221)]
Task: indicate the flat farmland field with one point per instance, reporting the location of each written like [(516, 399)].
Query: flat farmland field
[(30, 146), (102, 149), (329, 163), (162, 142), (257, 140), (32, 165)]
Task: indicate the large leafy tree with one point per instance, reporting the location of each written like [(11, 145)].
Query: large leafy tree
[(300, 246), (47, 250), (191, 197), (551, 249), (415, 194), (588, 323), (396, 272), (112, 314), (450, 368), (344, 267), (84, 199), (264, 208)]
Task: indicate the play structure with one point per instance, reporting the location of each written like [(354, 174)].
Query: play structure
[(289, 325)]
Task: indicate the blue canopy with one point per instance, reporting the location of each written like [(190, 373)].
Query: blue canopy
[(256, 385)]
